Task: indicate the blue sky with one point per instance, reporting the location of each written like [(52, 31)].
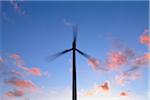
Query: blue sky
[(42, 31)]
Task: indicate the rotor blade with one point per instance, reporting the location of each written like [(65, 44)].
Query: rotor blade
[(75, 31), (84, 54), (132, 69), (94, 62), (54, 56)]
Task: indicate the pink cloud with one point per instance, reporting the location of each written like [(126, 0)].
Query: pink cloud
[(124, 93), (125, 77), (15, 93), (26, 84), (13, 76), (18, 60), (129, 53), (94, 63), (145, 38), (142, 60), (17, 73), (98, 89), (35, 71), (116, 43), (20, 63), (92, 92), (121, 79), (105, 87), (115, 60), (1, 60)]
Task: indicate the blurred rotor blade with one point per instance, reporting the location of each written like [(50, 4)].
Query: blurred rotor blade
[(132, 69), (93, 61), (75, 31), (84, 54), (54, 56)]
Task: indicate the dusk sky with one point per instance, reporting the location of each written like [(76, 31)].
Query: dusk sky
[(115, 34)]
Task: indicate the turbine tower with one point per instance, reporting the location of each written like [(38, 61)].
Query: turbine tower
[(74, 50)]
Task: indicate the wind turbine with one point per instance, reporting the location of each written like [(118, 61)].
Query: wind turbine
[(73, 49)]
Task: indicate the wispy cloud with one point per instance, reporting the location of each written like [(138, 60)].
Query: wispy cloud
[(98, 89), (124, 93), (15, 93), (1, 60), (142, 60), (105, 87), (126, 77), (47, 74), (20, 63), (115, 42), (115, 60), (145, 38), (93, 91), (12, 73), (35, 71), (16, 7), (94, 63), (15, 72), (67, 23), (18, 60), (24, 84), (121, 57)]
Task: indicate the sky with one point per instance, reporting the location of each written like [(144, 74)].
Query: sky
[(114, 33)]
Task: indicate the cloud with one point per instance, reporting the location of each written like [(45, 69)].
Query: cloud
[(16, 7), (105, 87), (47, 74), (1, 60), (138, 62), (13, 73), (142, 60), (98, 89), (92, 92), (124, 93), (18, 60), (67, 23), (26, 84), (116, 43), (17, 73), (120, 59), (20, 63), (15, 93), (145, 38), (129, 53), (126, 77), (35, 71), (116, 59), (94, 63)]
